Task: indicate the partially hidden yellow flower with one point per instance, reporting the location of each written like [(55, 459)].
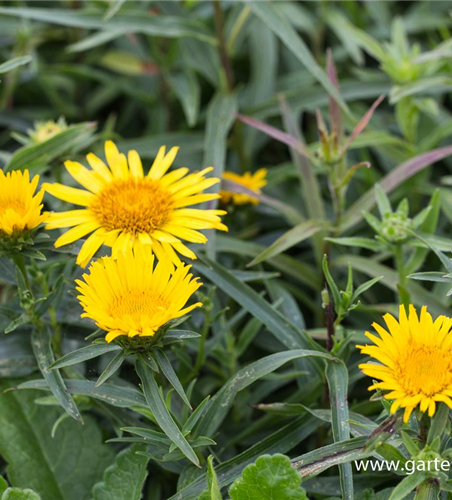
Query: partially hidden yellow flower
[(414, 360), (20, 205), (128, 296), (44, 131), (253, 182), (124, 208)]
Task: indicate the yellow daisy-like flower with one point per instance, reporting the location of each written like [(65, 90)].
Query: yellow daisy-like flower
[(415, 360), (124, 208), (253, 182), (20, 205), (128, 296)]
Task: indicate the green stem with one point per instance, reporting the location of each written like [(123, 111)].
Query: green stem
[(19, 260), (403, 294), (56, 339)]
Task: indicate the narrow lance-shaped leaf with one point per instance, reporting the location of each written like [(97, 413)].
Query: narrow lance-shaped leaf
[(337, 125), (291, 214), (289, 239), (277, 134), (14, 63), (407, 485), (310, 186), (160, 411), (222, 401), (337, 377), (398, 175), (250, 300), (362, 123), (170, 374), (122, 397), (112, 368), (270, 14), (83, 354), (42, 349)]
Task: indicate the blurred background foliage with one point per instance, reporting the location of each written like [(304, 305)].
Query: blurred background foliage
[(240, 85)]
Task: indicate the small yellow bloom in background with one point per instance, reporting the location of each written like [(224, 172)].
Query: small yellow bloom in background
[(44, 131), (414, 360), (20, 205), (124, 208), (253, 182), (128, 296)]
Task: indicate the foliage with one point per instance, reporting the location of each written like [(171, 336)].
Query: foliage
[(344, 108)]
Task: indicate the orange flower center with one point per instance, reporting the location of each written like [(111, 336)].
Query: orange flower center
[(137, 303), (133, 205), (424, 369)]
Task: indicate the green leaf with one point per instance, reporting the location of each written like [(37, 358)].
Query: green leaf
[(170, 374), (179, 335), (250, 300), (281, 441), (41, 343), (289, 239), (14, 63), (298, 270), (364, 287), (124, 480), (138, 22), (331, 283), (19, 494), (3, 485), (383, 203), (407, 485), (337, 377), (223, 399), (64, 468), (121, 397), (271, 15), (187, 89), (112, 368), (40, 155), (213, 488), (439, 422), (397, 175), (270, 478), (315, 462), (160, 411), (83, 354), (220, 117)]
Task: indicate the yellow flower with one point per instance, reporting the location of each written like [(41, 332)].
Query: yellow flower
[(253, 182), (124, 208), (20, 207), (128, 296), (415, 360), (44, 131)]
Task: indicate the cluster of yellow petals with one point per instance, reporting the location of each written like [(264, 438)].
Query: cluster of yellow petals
[(414, 360), (129, 296), (20, 205), (252, 182), (124, 208)]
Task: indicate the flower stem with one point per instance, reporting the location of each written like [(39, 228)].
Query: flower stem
[(404, 296)]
